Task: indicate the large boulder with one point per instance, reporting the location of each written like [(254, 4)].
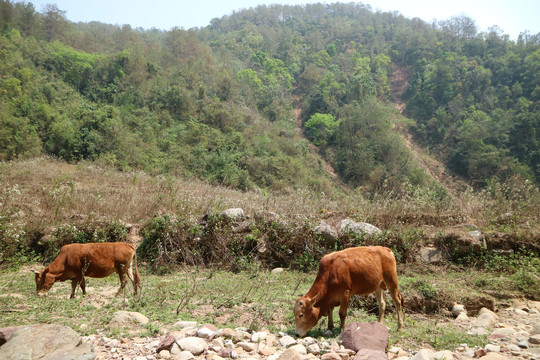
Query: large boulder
[(431, 255), (233, 214), (361, 335), (121, 318), (6, 333), (326, 231), (348, 225), (46, 342), (461, 241), (486, 319)]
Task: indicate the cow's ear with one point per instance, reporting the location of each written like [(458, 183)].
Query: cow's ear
[(313, 300)]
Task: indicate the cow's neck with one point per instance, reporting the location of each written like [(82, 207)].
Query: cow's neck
[(58, 268), (318, 288)]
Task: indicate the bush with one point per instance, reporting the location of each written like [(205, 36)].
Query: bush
[(168, 240)]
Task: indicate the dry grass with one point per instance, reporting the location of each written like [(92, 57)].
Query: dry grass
[(44, 191)]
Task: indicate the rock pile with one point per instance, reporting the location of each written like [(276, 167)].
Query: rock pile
[(512, 333)]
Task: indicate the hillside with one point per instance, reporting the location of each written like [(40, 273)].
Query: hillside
[(222, 103), (298, 120)]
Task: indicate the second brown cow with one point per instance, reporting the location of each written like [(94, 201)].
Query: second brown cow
[(353, 271), (97, 260)]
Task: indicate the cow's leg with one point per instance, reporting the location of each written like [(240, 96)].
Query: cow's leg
[(382, 303), (122, 275), (131, 278), (330, 318), (83, 285), (74, 283), (343, 307), (397, 299)]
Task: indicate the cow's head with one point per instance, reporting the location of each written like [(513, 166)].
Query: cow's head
[(44, 281), (306, 314)]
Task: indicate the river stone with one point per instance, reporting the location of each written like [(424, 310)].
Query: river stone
[(184, 355), (422, 355), (485, 310), (123, 317), (247, 346), (216, 345), (534, 339), (493, 356), (300, 349), (46, 342), (442, 355), (521, 312), (206, 333), (164, 354), (259, 336), (290, 354), (485, 320), (185, 324), (165, 343), (493, 348), (331, 356), (229, 333), (503, 332), (194, 345), (266, 350), (458, 309), (287, 341), (367, 354)]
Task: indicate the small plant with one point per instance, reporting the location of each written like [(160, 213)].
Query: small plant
[(528, 283), (304, 262), (426, 289), (151, 330)]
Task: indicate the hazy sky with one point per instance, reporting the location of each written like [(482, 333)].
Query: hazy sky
[(512, 16)]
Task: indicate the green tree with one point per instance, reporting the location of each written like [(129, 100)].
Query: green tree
[(320, 128)]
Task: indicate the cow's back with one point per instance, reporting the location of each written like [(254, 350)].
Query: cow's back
[(97, 259), (360, 269)]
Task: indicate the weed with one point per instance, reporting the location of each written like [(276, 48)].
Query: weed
[(527, 282), (436, 336), (151, 330)]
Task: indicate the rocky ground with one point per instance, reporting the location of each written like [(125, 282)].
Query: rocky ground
[(513, 333)]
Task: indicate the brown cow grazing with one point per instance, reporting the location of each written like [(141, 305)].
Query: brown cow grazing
[(97, 260), (353, 271)]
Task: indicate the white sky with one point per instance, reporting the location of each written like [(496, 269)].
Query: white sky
[(512, 16)]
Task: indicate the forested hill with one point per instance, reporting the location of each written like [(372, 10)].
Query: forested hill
[(220, 103)]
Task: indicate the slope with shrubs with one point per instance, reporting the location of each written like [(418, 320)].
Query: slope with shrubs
[(216, 103), (162, 129)]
